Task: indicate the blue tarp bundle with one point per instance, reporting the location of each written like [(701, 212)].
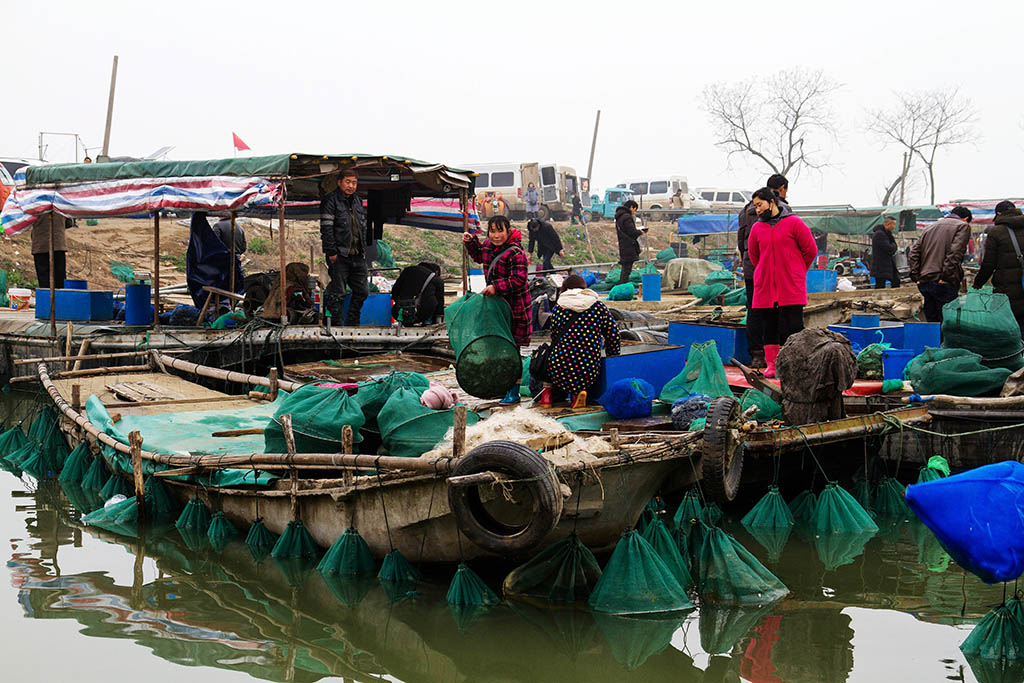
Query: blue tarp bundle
[(707, 224), (207, 261)]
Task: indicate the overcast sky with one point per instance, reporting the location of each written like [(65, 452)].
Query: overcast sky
[(469, 81)]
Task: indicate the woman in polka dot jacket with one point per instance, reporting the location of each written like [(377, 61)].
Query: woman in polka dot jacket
[(579, 324)]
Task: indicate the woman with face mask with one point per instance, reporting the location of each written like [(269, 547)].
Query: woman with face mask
[(782, 249)]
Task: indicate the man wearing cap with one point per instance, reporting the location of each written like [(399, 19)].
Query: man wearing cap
[(936, 258), (883, 254), (1004, 259)]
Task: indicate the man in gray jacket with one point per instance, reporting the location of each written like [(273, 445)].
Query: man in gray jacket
[(936, 261), (345, 239)]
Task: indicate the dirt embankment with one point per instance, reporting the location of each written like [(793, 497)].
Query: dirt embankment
[(92, 248)]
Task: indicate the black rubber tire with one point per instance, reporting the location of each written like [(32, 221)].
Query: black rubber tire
[(543, 212), (595, 217), (517, 461), (722, 462), (840, 269)]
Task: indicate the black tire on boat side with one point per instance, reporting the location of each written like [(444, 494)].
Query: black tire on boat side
[(517, 461), (722, 461)]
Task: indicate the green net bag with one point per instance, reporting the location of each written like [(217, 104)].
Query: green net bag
[(636, 275), (707, 294), (839, 512), (602, 287), (467, 589), (613, 275), (665, 546), (563, 572), (935, 468), (221, 531), (767, 408), (11, 440), (115, 486), (999, 635), (624, 292), (487, 360), (96, 476), (120, 518), (395, 569), (735, 297), (863, 493), (194, 518), (18, 457), (41, 464), (702, 374), (720, 277), (983, 323), (954, 371), (385, 258), (348, 556), (318, 414), (4, 300), (689, 511), (83, 500), (260, 540), (637, 581), (160, 507), (122, 271), (295, 543), (889, 503), (408, 429), (771, 512), (729, 573), (372, 396), (665, 255), (76, 465), (633, 640), (869, 361)]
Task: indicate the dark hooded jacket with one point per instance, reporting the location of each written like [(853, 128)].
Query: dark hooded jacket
[(629, 236), (338, 214), (746, 220), (1000, 260), (546, 238), (420, 292), (883, 254)]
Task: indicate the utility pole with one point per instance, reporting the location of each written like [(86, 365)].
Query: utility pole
[(110, 112), (593, 146)]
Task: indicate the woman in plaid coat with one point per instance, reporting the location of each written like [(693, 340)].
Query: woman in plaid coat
[(505, 269)]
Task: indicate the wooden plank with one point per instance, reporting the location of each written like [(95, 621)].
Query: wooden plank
[(224, 293), (237, 432), (178, 401), (655, 423), (459, 432), (135, 444), (82, 350), (141, 391), (80, 357)]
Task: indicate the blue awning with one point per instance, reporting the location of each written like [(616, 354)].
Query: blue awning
[(708, 224)]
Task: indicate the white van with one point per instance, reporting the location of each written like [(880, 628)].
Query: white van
[(655, 192), (724, 198), (501, 188)]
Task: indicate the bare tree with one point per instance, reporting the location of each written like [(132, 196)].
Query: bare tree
[(923, 123), (781, 120)]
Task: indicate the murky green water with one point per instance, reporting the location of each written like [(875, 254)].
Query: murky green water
[(81, 604)]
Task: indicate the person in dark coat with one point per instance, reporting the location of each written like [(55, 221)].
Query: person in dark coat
[(1001, 261), (418, 294), (629, 238), (577, 210), (936, 261), (346, 238), (544, 235), (883, 254)]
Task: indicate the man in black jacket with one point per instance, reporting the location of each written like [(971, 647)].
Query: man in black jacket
[(1001, 261), (629, 238), (345, 239), (883, 254), (548, 242), (418, 294)]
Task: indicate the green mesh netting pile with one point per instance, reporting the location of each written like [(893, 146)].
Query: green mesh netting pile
[(624, 292), (120, 518), (771, 512), (959, 372), (636, 275), (409, 429), (702, 374), (637, 581), (768, 408), (613, 275), (348, 556), (384, 259), (666, 255), (935, 468), (318, 414), (708, 294), (487, 359), (372, 396), (730, 574), (983, 322), (563, 572), (657, 534), (689, 511), (122, 271), (295, 543), (869, 361)]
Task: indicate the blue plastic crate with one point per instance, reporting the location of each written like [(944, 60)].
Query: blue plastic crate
[(653, 362), (862, 337), (822, 280), (376, 311), (919, 336), (730, 339), (82, 305)]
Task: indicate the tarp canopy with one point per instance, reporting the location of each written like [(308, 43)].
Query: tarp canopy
[(708, 223), (834, 220)]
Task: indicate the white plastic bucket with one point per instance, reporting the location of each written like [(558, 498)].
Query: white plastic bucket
[(19, 297)]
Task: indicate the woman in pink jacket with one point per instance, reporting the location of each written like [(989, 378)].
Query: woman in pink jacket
[(781, 248)]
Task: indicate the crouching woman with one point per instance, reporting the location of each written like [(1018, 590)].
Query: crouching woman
[(580, 326)]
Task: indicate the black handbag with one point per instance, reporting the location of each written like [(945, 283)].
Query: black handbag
[(539, 363)]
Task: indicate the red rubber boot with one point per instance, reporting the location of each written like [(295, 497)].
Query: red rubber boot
[(771, 352)]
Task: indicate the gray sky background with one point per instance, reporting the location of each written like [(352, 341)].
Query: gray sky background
[(473, 81)]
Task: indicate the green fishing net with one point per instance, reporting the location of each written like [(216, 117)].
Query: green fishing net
[(83, 500), (624, 292), (889, 502), (76, 465), (954, 371), (467, 589), (160, 507), (637, 581), (374, 394), (711, 514), (18, 457), (999, 635), (869, 361), (41, 464), (221, 531), (689, 510), (837, 549), (487, 359), (708, 293), (565, 571), (665, 546), (723, 277), (983, 322), (122, 271), (891, 385), (318, 414), (767, 408), (863, 492), (666, 255), (409, 429), (116, 485), (260, 540), (771, 512), (633, 640), (348, 590), (12, 440), (395, 569), (735, 297), (729, 573), (348, 556), (838, 512), (702, 374), (935, 468), (120, 518), (384, 259), (295, 542), (613, 275), (194, 518)]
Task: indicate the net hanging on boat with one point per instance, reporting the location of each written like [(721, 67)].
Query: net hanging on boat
[(563, 572), (348, 556), (372, 395), (999, 635), (408, 429), (221, 532), (12, 440), (83, 500), (260, 540), (730, 574), (76, 465), (889, 503), (397, 570), (771, 512), (115, 486), (637, 581), (195, 518), (295, 543), (689, 511), (487, 359), (318, 414), (668, 550), (954, 371), (838, 512), (768, 409), (936, 468), (120, 518), (702, 374)]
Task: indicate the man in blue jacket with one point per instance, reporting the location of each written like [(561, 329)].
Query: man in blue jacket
[(345, 239)]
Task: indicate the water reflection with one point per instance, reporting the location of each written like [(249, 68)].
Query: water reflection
[(283, 621)]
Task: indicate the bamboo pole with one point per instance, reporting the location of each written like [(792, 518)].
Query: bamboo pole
[(80, 357), (227, 375), (459, 431), (289, 444), (284, 258), (156, 269), (82, 349), (346, 447), (233, 257), (67, 343), (53, 292), (464, 205), (135, 446)]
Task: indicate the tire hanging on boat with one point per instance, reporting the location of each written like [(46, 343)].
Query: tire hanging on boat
[(722, 461), (518, 462)]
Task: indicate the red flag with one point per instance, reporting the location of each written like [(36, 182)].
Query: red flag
[(239, 145)]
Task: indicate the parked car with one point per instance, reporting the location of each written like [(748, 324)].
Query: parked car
[(508, 182), (724, 198), (656, 192), (614, 197)]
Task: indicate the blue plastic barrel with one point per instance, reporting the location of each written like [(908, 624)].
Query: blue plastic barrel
[(137, 309), (864, 320), (894, 362), (919, 336), (76, 284), (651, 283)]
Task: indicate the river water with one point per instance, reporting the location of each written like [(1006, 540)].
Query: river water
[(82, 604)]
